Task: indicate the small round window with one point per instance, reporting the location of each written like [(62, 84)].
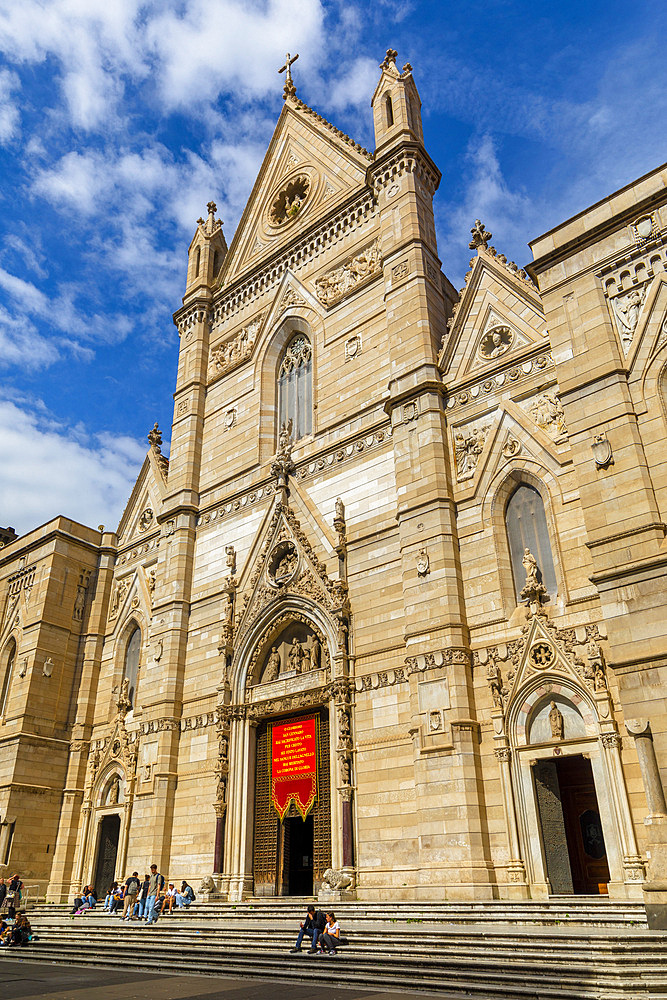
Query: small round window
[(289, 202)]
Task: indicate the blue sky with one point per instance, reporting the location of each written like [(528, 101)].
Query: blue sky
[(120, 119)]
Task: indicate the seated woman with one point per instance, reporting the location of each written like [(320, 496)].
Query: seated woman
[(21, 931), (329, 937)]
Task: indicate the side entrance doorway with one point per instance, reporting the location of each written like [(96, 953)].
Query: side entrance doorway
[(107, 849), (290, 857), (574, 848)]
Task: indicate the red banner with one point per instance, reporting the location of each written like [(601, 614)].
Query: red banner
[(294, 766)]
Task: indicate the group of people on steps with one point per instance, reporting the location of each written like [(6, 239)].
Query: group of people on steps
[(324, 931)]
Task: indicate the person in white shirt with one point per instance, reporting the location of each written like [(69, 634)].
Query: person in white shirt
[(169, 899), (329, 937)]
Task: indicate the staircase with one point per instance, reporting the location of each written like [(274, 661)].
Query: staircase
[(568, 949)]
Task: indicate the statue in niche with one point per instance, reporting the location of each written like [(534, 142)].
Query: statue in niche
[(533, 589), (273, 666), (600, 679), (345, 770), (124, 704), (557, 722), (305, 660), (114, 792), (343, 722), (295, 655), (315, 654)]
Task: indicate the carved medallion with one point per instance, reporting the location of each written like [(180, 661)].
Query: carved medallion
[(146, 519), (283, 564), (495, 342)]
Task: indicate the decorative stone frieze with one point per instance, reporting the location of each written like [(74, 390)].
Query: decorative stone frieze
[(333, 286), (228, 355), (499, 380)]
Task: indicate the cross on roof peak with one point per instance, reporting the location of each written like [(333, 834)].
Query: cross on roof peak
[(289, 90)]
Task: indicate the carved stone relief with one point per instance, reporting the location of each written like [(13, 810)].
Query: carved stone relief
[(223, 357), (626, 309), (335, 284), (547, 412), (468, 446)]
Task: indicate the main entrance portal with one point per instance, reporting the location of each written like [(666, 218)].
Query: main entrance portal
[(290, 858), (107, 850), (572, 836)]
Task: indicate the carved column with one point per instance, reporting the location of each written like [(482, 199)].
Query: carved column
[(343, 732), (222, 773), (516, 869)]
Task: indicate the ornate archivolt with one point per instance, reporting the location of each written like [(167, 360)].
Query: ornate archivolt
[(305, 577), (550, 697)]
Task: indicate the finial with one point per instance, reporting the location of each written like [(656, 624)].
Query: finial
[(480, 237), (212, 208), (289, 90), (389, 59), (155, 437), (407, 68)]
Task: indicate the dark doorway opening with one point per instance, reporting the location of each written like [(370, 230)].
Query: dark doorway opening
[(107, 850), (572, 836), (299, 855)]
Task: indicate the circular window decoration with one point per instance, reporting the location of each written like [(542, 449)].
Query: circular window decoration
[(283, 564), (289, 202), (495, 342), (541, 655), (146, 519)]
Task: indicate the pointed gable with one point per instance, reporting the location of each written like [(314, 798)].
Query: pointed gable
[(498, 320), (309, 167)]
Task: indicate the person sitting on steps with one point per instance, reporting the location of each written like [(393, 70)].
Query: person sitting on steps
[(169, 899), (185, 896), (313, 925), (328, 939)]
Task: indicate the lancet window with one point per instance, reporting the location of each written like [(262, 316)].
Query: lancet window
[(132, 654), (9, 660), (526, 525), (295, 387)]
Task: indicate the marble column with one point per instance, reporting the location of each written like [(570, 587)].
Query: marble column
[(640, 729)]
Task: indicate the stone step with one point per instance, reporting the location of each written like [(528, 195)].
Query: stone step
[(531, 912), (489, 978)]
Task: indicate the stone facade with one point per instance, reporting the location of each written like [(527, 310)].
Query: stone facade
[(340, 530)]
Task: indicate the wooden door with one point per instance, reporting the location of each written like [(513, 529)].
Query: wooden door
[(583, 829)]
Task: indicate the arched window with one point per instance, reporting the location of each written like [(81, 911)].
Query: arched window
[(388, 110), (295, 387), (9, 660), (526, 525), (132, 652)]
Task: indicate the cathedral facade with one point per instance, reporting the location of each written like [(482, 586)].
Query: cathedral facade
[(392, 617)]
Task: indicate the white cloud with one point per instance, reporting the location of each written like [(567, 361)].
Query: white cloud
[(355, 87), (49, 469), (9, 112), (214, 46), (509, 214)]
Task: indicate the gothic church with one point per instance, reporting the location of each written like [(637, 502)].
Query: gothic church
[(391, 619)]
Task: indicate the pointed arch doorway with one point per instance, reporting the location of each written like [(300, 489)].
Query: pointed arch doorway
[(291, 856), (107, 852)]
